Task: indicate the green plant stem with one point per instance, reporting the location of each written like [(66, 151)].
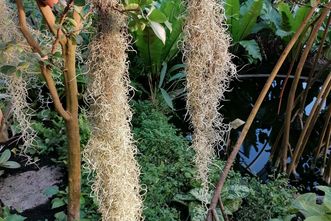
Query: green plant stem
[(253, 113)]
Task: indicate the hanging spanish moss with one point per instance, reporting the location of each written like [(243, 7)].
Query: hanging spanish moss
[(111, 152), (16, 84), (209, 71)]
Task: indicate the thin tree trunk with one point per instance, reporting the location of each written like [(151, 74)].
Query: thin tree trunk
[(70, 114), (72, 125)]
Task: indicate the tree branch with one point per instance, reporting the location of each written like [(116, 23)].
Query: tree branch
[(24, 28), (52, 89), (59, 30)]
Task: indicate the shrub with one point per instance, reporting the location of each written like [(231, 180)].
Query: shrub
[(165, 159), (267, 201)]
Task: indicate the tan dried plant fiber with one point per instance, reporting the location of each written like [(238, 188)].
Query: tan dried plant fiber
[(110, 153), (16, 85), (209, 71)]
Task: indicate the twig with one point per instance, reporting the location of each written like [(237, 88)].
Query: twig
[(62, 19), (253, 113)]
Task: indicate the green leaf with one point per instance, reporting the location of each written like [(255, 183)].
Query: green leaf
[(306, 204), (11, 165), (327, 196), (184, 197), (177, 76), (176, 67), (7, 69), (252, 48), (5, 156), (286, 15), (248, 21), (150, 49), (197, 211), (167, 98), (51, 191), (319, 218), (235, 191), (60, 216), (232, 13), (200, 195), (162, 74), (57, 202), (286, 218), (300, 15), (157, 16), (281, 33), (159, 31), (79, 2), (231, 206), (15, 217)]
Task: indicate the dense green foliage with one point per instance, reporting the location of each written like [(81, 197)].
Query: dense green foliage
[(165, 159), (266, 201)]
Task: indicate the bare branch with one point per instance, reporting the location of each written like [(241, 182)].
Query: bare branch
[(24, 28), (52, 89)]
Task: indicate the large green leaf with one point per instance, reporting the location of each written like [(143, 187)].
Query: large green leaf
[(150, 47), (252, 48), (248, 20), (327, 196), (306, 204), (232, 13), (288, 19), (157, 16), (235, 191), (174, 10), (319, 218), (300, 15)]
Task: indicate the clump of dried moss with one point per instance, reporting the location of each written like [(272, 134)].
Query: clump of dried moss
[(110, 152), (209, 71)]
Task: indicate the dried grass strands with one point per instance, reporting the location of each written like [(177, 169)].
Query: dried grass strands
[(209, 71), (111, 152), (16, 85)]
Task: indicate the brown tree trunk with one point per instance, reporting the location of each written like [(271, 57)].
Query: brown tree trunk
[(72, 125), (70, 114)]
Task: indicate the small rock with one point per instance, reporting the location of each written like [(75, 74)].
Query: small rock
[(25, 190)]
